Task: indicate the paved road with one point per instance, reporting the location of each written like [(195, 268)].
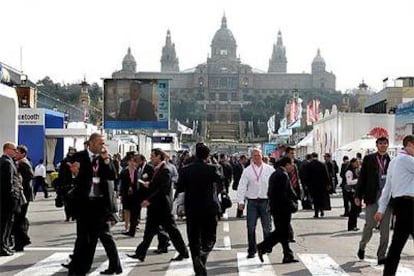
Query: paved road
[(323, 247)]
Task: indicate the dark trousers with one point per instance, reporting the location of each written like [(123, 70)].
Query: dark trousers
[(135, 211), (354, 212), (281, 220), (201, 233), (91, 226), (346, 200), (20, 228), (404, 227), (40, 181), (155, 218), (6, 224)]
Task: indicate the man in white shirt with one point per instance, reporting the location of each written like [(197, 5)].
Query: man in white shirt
[(40, 176), (253, 187), (400, 186)]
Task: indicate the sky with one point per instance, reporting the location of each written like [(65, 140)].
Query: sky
[(66, 40)]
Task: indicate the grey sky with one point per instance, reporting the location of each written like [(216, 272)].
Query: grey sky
[(68, 39)]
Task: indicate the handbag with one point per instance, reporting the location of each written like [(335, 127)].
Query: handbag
[(293, 206), (59, 201), (225, 201)]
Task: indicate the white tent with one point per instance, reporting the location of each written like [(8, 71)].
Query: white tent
[(8, 113), (366, 143)]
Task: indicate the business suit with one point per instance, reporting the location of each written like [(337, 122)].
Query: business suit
[(159, 213), (8, 203), (21, 224), (93, 211), (129, 195), (199, 181), (282, 199), (319, 182), (144, 111)]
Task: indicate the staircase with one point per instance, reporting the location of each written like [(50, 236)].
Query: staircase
[(222, 130)]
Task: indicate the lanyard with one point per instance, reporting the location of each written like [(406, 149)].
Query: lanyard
[(381, 164), (255, 173)]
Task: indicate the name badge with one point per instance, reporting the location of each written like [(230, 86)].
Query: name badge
[(96, 180), (383, 176)]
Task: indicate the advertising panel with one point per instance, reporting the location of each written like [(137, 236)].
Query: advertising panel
[(136, 104)]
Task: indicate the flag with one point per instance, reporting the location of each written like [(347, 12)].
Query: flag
[(312, 112), (271, 125), (295, 113), (184, 129), (284, 130)]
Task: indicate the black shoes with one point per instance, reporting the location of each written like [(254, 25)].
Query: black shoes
[(128, 234), (135, 256), (180, 257), (361, 254), (250, 255), (353, 229), (5, 253), (289, 260), (160, 251), (111, 271), (67, 265), (381, 261), (260, 254)]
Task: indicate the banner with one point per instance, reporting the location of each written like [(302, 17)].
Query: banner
[(312, 112), (295, 113)]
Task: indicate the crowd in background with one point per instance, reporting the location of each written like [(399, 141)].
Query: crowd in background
[(171, 186)]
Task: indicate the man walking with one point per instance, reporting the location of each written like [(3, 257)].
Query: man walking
[(95, 210), (159, 203), (253, 186), (199, 181), (40, 179), (283, 202), (399, 186), (370, 184)]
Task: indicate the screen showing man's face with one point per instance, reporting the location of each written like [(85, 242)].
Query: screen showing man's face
[(134, 92)]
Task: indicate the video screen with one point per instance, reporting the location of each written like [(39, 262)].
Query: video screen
[(136, 104)]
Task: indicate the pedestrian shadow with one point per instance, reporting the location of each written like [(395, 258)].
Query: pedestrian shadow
[(342, 233), (44, 222)]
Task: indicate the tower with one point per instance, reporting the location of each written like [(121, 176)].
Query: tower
[(169, 60), (85, 100), (318, 63), (223, 45), (128, 63), (278, 61)]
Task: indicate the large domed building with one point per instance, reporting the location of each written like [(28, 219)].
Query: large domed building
[(223, 86)]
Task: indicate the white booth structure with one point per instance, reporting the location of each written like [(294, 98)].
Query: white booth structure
[(9, 110)]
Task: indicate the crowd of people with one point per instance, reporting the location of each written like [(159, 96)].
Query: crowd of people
[(90, 182)]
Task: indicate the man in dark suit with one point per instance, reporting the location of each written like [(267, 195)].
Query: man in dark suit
[(319, 185), (136, 108), (145, 173), (95, 210), (8, 196), (283, 202), (159, 203), (199, 182), (21, 224)]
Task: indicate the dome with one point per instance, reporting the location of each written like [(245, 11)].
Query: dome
[(318, 58), (223, 35), (129, 63)]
